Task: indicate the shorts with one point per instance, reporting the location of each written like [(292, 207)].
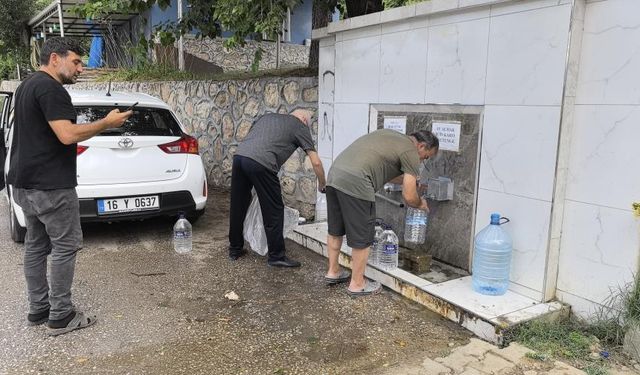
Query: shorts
[(351, 216)]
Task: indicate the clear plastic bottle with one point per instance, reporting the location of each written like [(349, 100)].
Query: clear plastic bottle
[(374, 252), (182, 241), (492, 259), (415, 226), (388, 256)]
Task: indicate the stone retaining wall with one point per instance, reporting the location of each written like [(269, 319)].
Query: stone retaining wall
[(220, 114), (241, 58)]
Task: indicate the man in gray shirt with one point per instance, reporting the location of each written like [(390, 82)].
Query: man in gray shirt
[(355, 176), (270, 142)]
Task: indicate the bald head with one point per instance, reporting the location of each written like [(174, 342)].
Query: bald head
[(303, 115)]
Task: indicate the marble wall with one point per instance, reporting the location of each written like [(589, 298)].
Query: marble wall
[(600, 240), (449, 232), (509, 57)]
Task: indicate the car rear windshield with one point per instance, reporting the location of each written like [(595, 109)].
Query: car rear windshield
[(144, 121)]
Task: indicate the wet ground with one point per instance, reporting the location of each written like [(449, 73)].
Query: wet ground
[(164, 313)]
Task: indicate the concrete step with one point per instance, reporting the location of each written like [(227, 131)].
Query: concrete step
[(488, 317)]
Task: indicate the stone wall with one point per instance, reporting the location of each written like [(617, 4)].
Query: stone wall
[(220, 114), (240, 59)]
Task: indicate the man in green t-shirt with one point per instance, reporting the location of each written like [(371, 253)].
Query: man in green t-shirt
[(355, 176)]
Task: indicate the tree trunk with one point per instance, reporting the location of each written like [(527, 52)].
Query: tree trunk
[(320, 18)]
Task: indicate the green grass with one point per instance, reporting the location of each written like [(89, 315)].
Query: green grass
[(632, 302), (559, 339), (166, 73), (568, 340), (572, 340), (596, 369)]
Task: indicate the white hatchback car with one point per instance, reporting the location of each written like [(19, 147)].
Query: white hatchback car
[(148, 167)]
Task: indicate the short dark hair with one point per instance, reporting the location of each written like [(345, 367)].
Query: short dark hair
[(426, 137), (60, 46)]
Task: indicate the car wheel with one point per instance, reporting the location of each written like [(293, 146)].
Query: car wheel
[(17, 232), (193, 216)]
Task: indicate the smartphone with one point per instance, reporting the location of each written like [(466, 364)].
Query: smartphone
[(131, 106)]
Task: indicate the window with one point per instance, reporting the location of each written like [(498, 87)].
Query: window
[(144, 121)]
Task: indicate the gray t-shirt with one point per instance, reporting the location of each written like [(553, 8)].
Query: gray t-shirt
[(273, 138), (371, 161)]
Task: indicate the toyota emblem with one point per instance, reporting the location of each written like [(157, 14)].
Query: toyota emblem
[(125, 143)]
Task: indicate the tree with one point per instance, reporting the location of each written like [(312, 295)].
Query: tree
[(321, 15), (244, 18), (14, 50)]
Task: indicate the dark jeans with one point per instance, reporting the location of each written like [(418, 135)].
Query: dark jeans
[(246, 174), (53, 228)]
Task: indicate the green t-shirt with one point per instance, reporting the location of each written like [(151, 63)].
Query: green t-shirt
[(371, 161)]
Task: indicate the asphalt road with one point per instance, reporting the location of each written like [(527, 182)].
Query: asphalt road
[(164, 313)]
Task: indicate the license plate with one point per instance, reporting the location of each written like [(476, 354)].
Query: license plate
[(133, 204)]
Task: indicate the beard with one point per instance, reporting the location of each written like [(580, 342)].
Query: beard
[(69, 79)]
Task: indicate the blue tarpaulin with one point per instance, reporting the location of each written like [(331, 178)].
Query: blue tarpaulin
[(95, 52)]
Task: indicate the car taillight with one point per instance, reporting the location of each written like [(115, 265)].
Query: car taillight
[(185, 145), (204, 189), (81, 149)]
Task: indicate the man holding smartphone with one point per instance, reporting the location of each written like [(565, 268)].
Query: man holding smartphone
[(43, 177)]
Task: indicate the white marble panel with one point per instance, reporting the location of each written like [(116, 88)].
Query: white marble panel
[(403, 66), (529, 313), (351, 121), (328, 41), (367, 20), (527, 292), (326, 164), (580, 307), (527, 55), (610, 59), (472, 3), (599, 250), (360, 33), (398, 14), (326, 74), (524, 6), (321, 199), (457, 62), (435, 6), (405, 25), (459, 16), (519, 147), (358, 70), (459, 292), (529, 230), (604, 148), (325, 130)]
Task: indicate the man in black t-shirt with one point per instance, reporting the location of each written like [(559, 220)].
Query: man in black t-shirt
[(270, 142), (42, 174)]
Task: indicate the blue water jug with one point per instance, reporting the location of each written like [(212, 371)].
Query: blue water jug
[(492, 258)]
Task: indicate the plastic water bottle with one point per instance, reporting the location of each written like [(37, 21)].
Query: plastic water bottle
[(415, 226), (492, 259), (374, 253), (182, 235), (388, 256)]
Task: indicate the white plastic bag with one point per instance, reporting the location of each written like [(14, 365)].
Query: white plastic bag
[(254, 232)]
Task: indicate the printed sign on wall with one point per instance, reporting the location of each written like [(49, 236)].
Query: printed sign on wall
[(397, 123), (448, 134)]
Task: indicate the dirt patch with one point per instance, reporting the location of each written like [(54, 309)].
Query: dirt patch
[(164, 313)]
